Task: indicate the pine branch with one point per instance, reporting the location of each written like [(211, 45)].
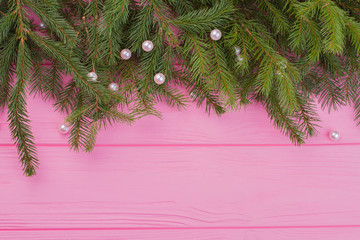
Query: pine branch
[(222, 77), (283, 120), (49, 15), (279, 21), (7, 58), (91, 138), (71, 64), (333, 29), (115, 15), (204, 20), (18, 116), (80, 125)]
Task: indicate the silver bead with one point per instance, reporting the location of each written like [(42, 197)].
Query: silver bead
[(334, 135), (42, 25), (215, 34), (159, 78), (114, 87), (237, 50), (147, 46), (125, 54), (64, 129), (92, 76)]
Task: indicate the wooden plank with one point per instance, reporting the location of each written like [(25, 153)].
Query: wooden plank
[(170, 187), (247, 127), (192, 234)]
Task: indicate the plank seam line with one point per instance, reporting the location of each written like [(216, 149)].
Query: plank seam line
[(176, 228), (191, 145)]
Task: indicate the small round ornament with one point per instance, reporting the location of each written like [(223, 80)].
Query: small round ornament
[(92, 76), (215, 34), (114, 87), (125, 54), (42, 25), (193, 95), (279, 73), (334, 136), (282, 65), (240, 59), (64, 129), (147, 46), (159, 78), (237, 50)]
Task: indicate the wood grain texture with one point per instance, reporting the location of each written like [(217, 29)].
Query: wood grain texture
[(194, 234), (183, 187), (188, 176), (250, 126)]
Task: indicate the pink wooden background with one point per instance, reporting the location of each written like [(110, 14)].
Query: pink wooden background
[(188, 176)]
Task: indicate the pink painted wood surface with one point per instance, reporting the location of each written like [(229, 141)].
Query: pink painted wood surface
[(250, 126), (188, 176)]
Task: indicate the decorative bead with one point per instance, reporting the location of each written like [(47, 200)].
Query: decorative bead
[(92, 76), (334, 136), (279, 73), (240, 59), (215, 34), (283, 65), (64, 129), (42, 25), (114, 87), (193, 95), (147, 46), (237, 50), (159, 78), (125, 54)]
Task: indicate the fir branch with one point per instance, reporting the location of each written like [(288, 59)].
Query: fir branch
[(279, 21), (7, 23), (7, 58), (197, 51), (47, 80), (71, 64), (222, 77), (49, 15), (79, 124), (173, 97), (333, 29), (140, 30), (91, 137), (283, 120), (67, 99), (204, 20), (115, 15), (308, 117), (93, 11), (18, 116)]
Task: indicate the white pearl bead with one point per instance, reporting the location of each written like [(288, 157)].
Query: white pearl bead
[(282, 65), (215, 34), (279, 73), (92, 76), (159, 78), (64, 129), (240, 59), (114, 87), (193, 95), (125, 54), (147, 46), (334, 135), (42, 25), (237, 50)]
